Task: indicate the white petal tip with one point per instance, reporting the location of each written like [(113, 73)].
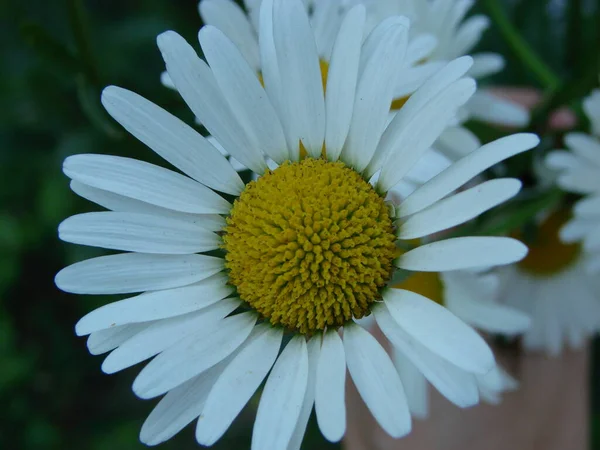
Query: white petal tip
[(166, 37)]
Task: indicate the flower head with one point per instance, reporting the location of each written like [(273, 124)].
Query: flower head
[(226, 269)]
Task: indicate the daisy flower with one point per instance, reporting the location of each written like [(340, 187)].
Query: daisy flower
[(554, 287), (228, 273), (557, 282)]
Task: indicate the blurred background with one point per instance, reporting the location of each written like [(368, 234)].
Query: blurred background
[(56, 57)]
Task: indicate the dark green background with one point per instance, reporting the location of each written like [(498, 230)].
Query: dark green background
[(55, 58)]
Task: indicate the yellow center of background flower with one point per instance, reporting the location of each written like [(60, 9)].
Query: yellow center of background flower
[(548, 255), (427, 284), (309, 245)]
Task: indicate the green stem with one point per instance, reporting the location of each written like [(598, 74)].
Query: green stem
[(78, 23), (520, 47)]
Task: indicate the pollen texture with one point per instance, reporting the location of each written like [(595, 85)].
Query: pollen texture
[(309, 245)]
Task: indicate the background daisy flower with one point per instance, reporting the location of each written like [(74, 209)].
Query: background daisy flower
[(455, 36), (556, 282)]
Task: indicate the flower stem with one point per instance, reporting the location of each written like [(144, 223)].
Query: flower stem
[(520, 47)]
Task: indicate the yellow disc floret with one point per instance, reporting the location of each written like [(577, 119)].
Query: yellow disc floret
[(548, 255), (309, 245)]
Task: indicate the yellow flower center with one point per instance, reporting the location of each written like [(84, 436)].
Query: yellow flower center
[(309, 245), (548, 255), (427, 284)]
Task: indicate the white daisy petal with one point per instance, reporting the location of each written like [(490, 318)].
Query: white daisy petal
[(562, 159), (163, 334), (453, 383), (457, 141), (135, 272), (137, 233), (228, 17), (458, 208), (588, 207), (145, 182), (156, 305), (330, 403), (421, 130), (172, 139), (485, 64), (179, 407), (434, 86), (103, 341), (488, 316), (415, 385), (581, 180), (300, 77), (411, 78), (198, 87), (440, 331), (119, 203), (238, 382), (577, 229), (193, 355), (246, 97), (490, 108), (376, 380), (166, 81), (268, 57), (419, 48), (314, 350), (469, 33), (282, 398), (584, 146), (341, 81), (375, 92), (463, 253), (465, 169)]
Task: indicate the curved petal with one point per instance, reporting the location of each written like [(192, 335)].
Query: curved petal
[(458, 386), (103, 341), (375, 92), (466, 168), (120, 203), (193, 355), (238, 382), (314, 350), (341, 81), (376, 380), (463, 253), (281, 402), (303, 102), (172, 139), (145, 182), (459, 208), (330, 403), (246, 97), (438, 330), (134, 232), (155, 305), (198, 87), (165, 333), (228, 17), (179, 407), (135, 272)]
